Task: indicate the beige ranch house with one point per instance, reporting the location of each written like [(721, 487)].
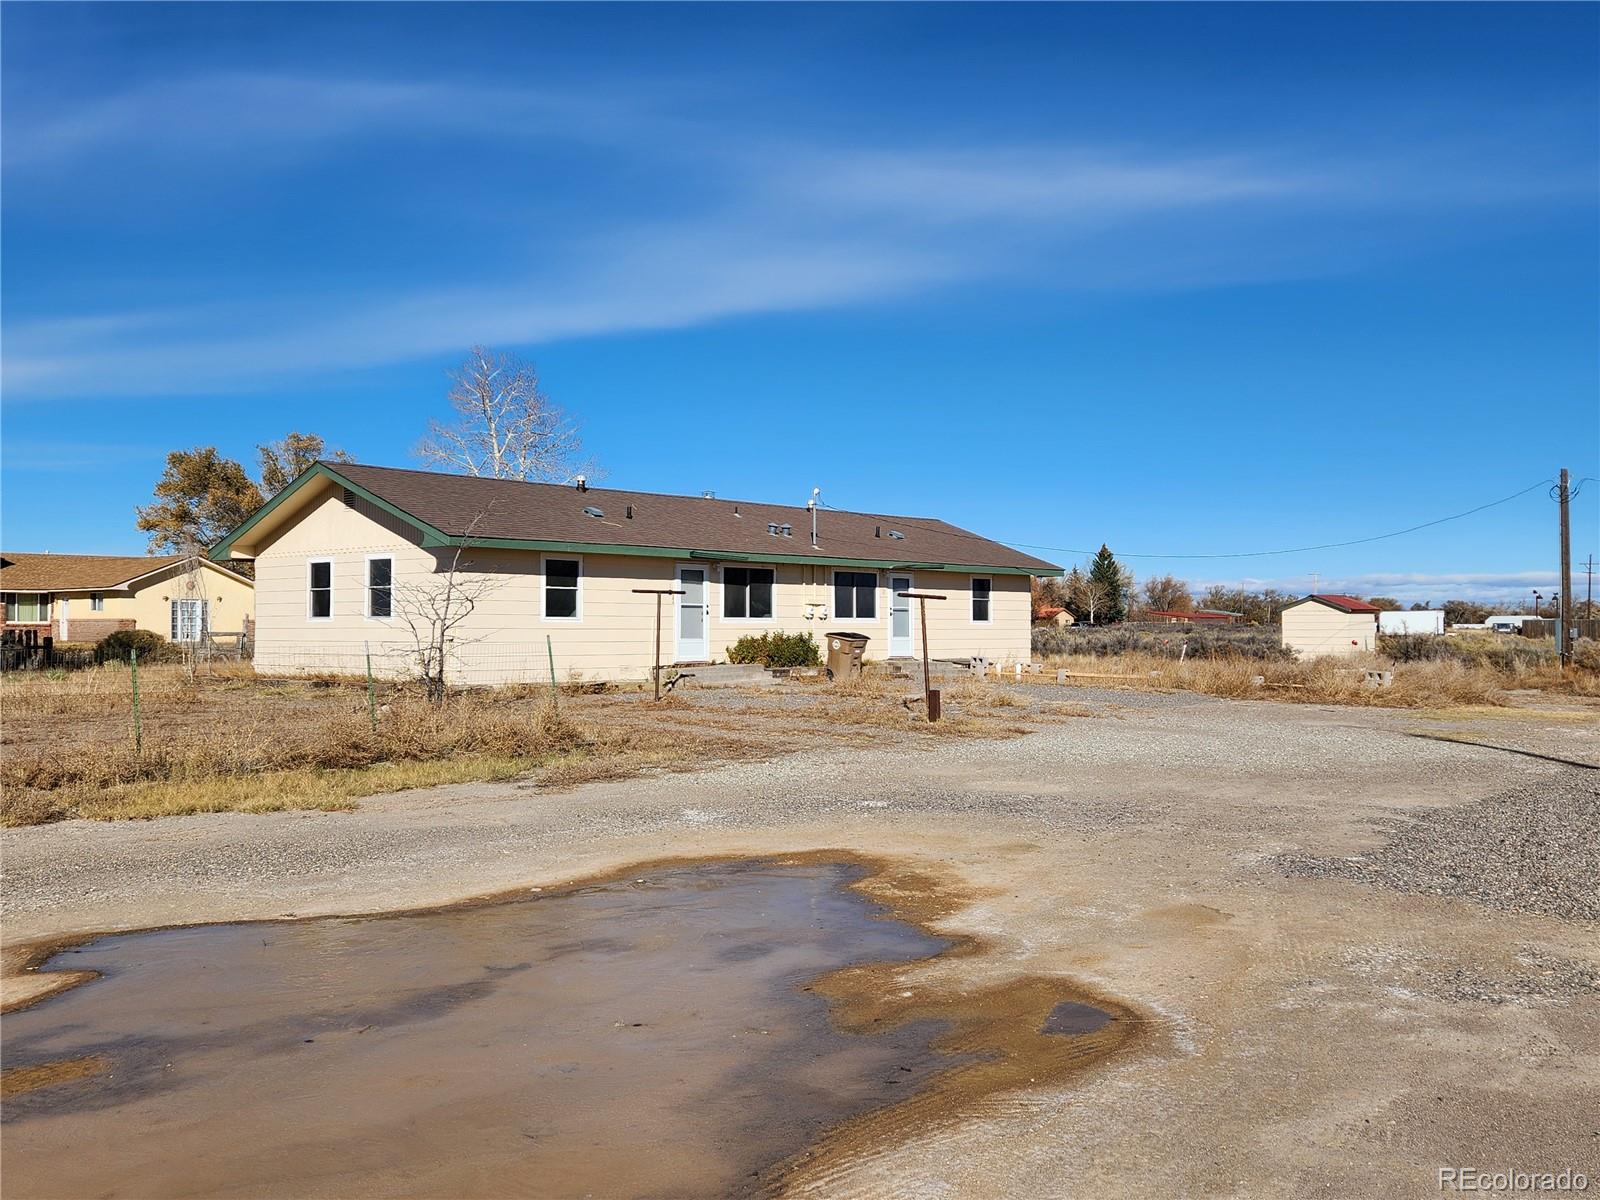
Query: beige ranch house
[(352, 559), (84, 597)]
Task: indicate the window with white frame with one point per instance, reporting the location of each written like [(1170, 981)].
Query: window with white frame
[(191, 620), (97, 602), (982, 592), (380, 587), (319, 589), (27, 608), (747, 592), (562, 578), (855, 595)]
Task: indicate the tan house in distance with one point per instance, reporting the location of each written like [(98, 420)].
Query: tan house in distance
[(345, 552), (1329, 625), (83, 597)]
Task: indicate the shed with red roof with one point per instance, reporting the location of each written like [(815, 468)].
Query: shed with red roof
[(1329, 624)]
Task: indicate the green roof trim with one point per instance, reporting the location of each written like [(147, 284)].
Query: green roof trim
[(437, 539), (430, 536)]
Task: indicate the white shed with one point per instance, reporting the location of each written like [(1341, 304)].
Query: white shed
[(1428, 620), (1325, 625)]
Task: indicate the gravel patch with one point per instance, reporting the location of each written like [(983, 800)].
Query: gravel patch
[(1534, 848)]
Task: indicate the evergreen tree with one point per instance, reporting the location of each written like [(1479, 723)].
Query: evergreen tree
[(1109, 584)]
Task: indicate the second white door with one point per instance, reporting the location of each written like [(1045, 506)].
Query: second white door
[(692, 626)]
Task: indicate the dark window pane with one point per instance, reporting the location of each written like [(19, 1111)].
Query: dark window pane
[(561, 602), (843, 597), (761, 593), (981, 589), (735, 582), (559, 572), (380, 576), (321, 602), (867, 600), (321, 574)]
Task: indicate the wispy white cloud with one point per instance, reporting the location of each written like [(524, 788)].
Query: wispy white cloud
[(757, 224)]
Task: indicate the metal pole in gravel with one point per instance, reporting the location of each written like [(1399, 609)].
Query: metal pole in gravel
[(930, 695), (655, 671)]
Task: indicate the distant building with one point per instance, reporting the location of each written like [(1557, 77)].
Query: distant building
[(1425, 621), (1326, 624), (1191, 616)]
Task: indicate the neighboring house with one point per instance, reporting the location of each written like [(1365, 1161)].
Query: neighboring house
[(346, 554), (83, 597), (1422, 621), (1324, 624), (1190, 616)]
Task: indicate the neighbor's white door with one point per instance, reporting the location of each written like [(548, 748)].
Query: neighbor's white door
[(691, 624), (900, 639)]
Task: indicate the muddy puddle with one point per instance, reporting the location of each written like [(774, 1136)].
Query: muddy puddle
[(643, 1037), (702, 1029)]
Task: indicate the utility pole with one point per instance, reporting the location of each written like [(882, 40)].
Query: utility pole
[(1564, 619)]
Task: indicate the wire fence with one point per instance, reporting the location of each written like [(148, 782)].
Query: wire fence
[(464, 666)]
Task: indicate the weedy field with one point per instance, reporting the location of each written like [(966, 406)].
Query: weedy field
[(228, 740)]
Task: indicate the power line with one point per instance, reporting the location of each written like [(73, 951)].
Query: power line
[(1379, 537)]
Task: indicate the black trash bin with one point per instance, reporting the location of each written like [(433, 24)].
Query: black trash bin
[(844, 654)]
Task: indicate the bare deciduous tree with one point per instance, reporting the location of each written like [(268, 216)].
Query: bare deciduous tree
[(434, 608), (505, 426)]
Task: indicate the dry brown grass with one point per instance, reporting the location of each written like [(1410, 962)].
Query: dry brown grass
[(230, 742), (1423, 685)]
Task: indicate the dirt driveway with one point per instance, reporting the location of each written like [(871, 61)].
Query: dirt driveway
[(1361, 956)]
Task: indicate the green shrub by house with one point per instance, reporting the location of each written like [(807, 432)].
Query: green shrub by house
[(115, 647), (776, 650)]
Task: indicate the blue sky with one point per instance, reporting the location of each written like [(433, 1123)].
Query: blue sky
[(1187, 280)]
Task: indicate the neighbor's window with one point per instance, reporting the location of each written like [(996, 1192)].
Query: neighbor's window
[(28, 608), (97, 602), (855, 595), (981, 589), (191, 620), (747, 591), (380, 587), (319, 579), (561, 588)]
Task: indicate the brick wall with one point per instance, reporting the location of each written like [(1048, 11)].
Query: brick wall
[(92, 629)]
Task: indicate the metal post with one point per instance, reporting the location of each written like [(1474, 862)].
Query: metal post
[(555, 693), (655, 670), (138, 726), (1564, 616), (930, 697), (372, 698)]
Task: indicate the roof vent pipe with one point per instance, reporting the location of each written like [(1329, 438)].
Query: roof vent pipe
[(582, 481), (816, 499), (630, 512)]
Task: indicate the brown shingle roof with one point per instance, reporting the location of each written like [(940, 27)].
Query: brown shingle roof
[(76, 572), (459, 505)]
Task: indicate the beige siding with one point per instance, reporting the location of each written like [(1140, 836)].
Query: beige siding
[(1315, 630), (504, 639)]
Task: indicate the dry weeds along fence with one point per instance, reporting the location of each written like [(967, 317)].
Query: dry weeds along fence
[(231, 741)]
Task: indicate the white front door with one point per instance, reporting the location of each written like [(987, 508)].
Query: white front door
[(691, 623), (66, 628), (900, 639)]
